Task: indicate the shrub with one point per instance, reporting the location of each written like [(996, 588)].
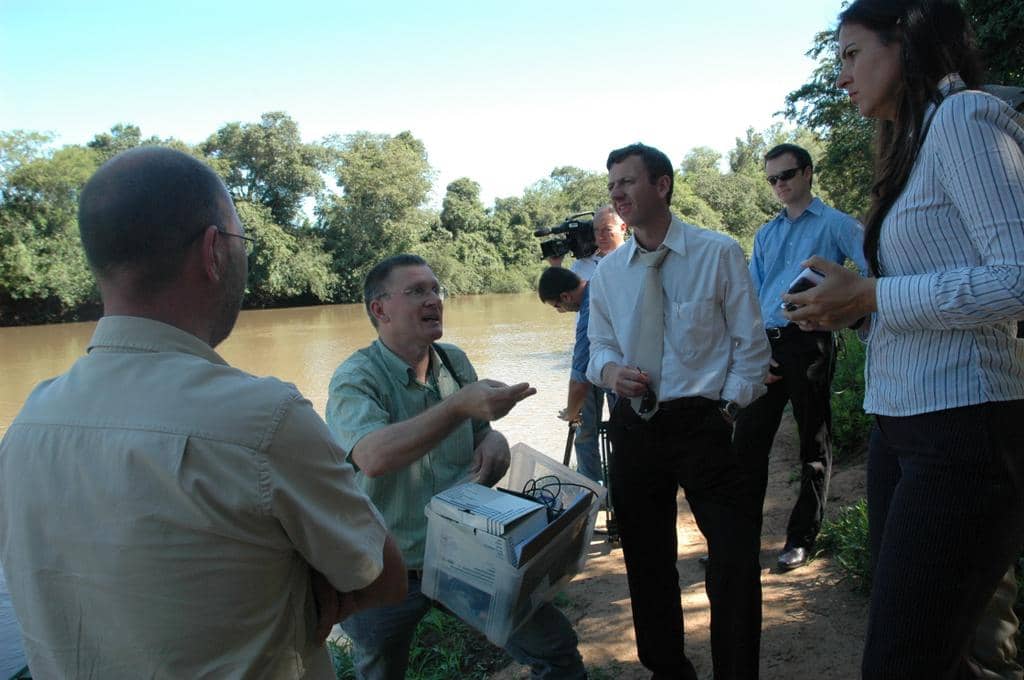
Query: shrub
[(850, 425), (846, 539)]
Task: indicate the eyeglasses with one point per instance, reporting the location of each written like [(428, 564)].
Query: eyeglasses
[(249, 245), (419, 293), (785, 175)]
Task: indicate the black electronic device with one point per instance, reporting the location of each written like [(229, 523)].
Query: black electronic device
[(808, 278), (575, 235)]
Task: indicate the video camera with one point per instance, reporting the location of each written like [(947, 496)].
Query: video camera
[(576, 237)]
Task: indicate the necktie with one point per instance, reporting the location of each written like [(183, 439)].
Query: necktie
[(649, 333)]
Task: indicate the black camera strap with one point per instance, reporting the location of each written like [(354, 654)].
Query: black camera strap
[(443, 356)]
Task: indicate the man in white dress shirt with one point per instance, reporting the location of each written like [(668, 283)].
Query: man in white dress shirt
[(713, 361)]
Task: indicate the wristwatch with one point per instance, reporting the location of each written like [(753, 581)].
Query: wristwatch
[(728, 409)]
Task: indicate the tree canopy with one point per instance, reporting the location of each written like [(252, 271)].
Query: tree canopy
[(322, 213)]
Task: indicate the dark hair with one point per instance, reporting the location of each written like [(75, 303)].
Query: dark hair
[(935, 39), (555, 281), (143, 208), (373, 285), (656, 162), (803, 158)]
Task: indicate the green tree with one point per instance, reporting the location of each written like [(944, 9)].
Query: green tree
[(268, 164), (998, 26), (121, 137), (735, 202), (287, 263), (845, 169), (579, 190), (19, 147), (42, 266), (461, 211), (384, 181)]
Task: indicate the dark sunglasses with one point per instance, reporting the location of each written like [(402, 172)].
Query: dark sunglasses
[(785, 175)]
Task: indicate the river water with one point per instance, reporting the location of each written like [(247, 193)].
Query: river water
[(512, 338)]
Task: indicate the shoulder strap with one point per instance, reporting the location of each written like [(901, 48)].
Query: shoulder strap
[(448, 364)]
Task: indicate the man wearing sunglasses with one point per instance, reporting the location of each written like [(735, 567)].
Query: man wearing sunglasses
[(802, 363), (415, 421), (163, 514)]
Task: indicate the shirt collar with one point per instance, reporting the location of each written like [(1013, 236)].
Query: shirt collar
[(138, 334), (400, 369), (815, 207), (951, 82), (675, 240)]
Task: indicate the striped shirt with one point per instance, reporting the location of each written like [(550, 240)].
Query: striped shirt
[(952, 254)]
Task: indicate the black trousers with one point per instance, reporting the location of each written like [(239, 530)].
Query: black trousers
[(807, 364), (688, 446), (946, 519)]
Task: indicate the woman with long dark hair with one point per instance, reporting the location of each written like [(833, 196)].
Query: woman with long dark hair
[(945, 373)]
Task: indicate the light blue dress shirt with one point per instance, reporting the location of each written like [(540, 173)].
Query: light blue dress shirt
[(581, 350), (782, 244)]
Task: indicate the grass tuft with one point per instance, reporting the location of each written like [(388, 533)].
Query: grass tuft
[(845, 538), (442, 648)]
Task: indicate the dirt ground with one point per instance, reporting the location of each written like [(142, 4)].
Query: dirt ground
[(813, 619)]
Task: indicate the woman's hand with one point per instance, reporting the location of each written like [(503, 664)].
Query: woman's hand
[(837, 302)]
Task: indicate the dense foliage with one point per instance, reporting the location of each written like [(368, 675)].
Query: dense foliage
[(322, 213)]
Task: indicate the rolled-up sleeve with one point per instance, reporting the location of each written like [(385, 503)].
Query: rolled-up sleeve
[(355, 407)]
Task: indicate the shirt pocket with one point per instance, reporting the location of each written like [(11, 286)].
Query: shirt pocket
[(691, 326)]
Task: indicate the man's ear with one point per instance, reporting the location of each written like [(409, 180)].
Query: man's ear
[(377, 309), (663, 183), (210, 258)]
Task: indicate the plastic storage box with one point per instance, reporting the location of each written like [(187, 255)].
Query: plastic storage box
[(476, 575)]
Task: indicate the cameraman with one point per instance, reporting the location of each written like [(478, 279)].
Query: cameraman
[(609, 233), (567, 292)]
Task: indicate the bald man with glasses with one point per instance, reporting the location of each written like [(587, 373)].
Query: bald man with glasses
[(802, 363)]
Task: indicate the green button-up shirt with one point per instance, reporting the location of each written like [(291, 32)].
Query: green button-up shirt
[(374, 388)]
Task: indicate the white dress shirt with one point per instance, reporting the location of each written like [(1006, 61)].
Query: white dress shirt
[(715, 345), (585, 267), (952, 257)]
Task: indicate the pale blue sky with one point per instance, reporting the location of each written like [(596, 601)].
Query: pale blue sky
[(499, 92)]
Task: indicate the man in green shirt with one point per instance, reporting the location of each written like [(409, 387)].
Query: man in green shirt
[(415, 421)]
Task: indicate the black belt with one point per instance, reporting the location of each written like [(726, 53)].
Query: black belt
[(684, 404), (791, 330)]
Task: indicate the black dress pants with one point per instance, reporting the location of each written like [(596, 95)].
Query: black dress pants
[(946, 519), (806, 363), (687, 445)]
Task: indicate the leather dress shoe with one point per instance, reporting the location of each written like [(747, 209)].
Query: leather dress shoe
[(791, 558)]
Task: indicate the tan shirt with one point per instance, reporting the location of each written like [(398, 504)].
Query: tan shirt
[(160, 510)]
